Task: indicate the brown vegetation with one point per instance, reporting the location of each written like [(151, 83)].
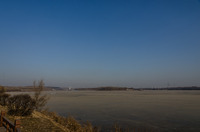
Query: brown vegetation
[(24, 104), (71, 123), (20, 105), (3, 96), (40, 100)]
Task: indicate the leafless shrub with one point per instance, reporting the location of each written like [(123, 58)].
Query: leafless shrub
[(73, 125), (117, 128), (87, 127), (20, 105), (3, 96), (4, 99), (2, 90)]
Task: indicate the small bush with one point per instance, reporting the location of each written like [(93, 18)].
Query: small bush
[(87, 127), (2, 90), (117, 128), (4, 99), (3, 96), (21, 105), (73, 125)]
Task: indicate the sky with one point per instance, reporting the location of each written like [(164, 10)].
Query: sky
[(93, 43)]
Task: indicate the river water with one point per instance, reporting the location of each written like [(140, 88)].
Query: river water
[(161, 110)]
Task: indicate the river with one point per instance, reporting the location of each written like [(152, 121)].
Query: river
[(161, 110)]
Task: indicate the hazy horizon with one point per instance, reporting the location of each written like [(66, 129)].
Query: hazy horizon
[(103, 86), (100, 43)]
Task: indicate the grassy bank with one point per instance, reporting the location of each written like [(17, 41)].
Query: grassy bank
[(50, 122)]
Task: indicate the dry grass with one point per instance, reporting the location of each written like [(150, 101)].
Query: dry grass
[(70, 123), (50, 122), (37, 122)]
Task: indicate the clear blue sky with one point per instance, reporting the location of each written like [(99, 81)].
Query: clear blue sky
[(82, 43)]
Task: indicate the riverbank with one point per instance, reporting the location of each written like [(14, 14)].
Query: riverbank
[(45, 121), (37, 121)]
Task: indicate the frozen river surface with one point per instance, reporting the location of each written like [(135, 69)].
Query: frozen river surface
[(162, 110)]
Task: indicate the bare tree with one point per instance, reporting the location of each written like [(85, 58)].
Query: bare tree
[(40, 99)]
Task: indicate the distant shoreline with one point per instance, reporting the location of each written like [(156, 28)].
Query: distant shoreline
[(138, 89), (48, 88)]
